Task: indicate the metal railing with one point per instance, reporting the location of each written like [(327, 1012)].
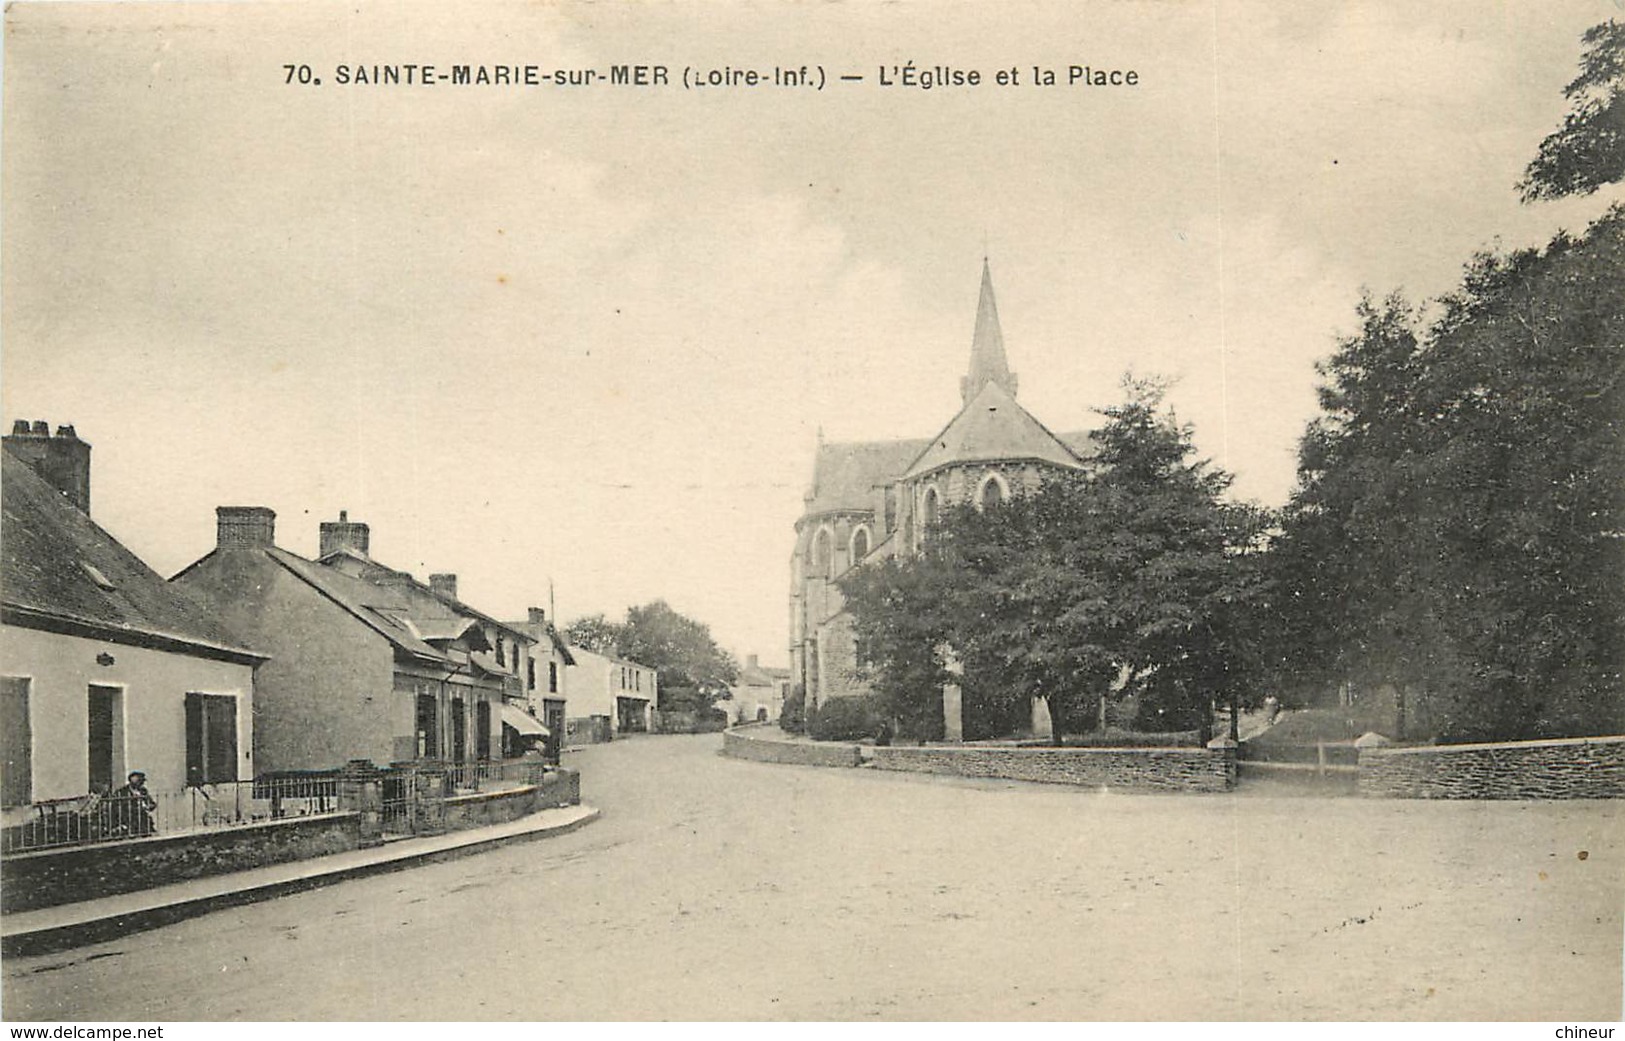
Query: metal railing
[(96, 818), (492, 775)]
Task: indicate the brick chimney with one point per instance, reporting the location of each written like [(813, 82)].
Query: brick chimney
[(63, 460), (538, 617), (240, 527), (445, 585), (344, 534), (750, 661)]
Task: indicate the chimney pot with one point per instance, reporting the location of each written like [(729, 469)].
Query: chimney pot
[(344, 534), (252, 527), (445, 585), (63, 461)]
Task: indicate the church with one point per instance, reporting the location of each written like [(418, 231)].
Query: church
[(875, 499)]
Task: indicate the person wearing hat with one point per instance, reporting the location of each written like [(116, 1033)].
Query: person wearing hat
[(131, 807)]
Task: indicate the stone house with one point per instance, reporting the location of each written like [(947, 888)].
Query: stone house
[(549, 665), (367, 662), (758, 695), (107, 668), (608, 696)]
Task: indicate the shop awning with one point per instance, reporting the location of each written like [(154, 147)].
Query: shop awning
[(522, 721)]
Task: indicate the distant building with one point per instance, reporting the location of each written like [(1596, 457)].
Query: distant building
[(549, 663), (758, 695), (107, 668), (367, 662), (877, 499), (608, 696)]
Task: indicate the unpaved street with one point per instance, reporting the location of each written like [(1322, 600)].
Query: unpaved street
[(718, 889)]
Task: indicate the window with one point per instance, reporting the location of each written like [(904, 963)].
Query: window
[(428, 726), (821, 553), (530, 673), (992, 491), (211, 738), (860, 544), (500, 659), (932, 507), (552, 677), (16, 743), (482, 730)]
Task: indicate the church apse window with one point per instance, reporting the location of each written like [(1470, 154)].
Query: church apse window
[(932, 508), (860, 544), (822, 553), (992, 491)]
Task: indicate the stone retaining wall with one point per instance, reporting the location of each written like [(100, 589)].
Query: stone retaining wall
[(1576, 768), (58, 876), (740, 744), (1139, 769), (555, 788)]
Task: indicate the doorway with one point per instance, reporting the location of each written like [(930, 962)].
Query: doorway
[(105, 737)]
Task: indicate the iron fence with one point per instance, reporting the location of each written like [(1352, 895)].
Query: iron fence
[(96, 817)]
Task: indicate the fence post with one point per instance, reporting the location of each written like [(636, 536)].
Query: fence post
[(361, 791), (429, 799)]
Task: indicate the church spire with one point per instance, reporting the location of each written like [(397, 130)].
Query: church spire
[(987, 361)]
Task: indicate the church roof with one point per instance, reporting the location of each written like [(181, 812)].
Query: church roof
[(992, 426), (846, 474), (988, 363)]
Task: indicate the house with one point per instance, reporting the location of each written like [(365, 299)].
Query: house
[(759, 694), (107, 668), (608, 696), (877, 499), (546, 670), (367, 662)]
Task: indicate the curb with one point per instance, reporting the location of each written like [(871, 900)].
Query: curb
[(95, 929)]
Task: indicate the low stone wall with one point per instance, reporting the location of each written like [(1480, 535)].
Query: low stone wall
[(479, 809), (740, 743), (58, 876), (1576, 768), (1135, 769)]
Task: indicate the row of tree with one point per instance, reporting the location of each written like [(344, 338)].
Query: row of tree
[(1457, 534)]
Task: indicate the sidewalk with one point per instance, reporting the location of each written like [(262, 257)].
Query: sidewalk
[(92, 921)]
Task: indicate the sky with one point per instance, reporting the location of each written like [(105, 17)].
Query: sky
[(576, 344)]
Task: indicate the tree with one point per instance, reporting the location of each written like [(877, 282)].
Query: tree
[(680, 648), (1588, 150), (1136, 574), (1459, 526), (594, 633)]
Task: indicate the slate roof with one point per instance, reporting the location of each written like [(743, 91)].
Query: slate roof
[(992, 426), (63, 572), (845, 474), (758, 676), (384, 610)]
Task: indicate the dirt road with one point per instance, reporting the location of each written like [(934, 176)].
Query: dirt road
[(718, 889)]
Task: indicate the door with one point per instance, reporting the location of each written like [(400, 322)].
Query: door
[(104, 738), (459, 731), (482, 730)]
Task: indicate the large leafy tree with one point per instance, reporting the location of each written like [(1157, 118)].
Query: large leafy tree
[(1136, 575), (1588, 150), (1459, 526), (693, 670)]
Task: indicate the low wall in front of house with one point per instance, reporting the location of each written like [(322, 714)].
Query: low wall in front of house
[(1573, 768), (1133, 769), (45, 878), (478, 809), (756, 742)]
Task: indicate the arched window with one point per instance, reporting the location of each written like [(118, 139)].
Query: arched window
[(933, 507), (860, 543), (822, 552), (992, 491)]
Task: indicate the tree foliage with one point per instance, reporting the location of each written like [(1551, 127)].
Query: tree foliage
[(1457, 530), (1135, 575), (1588, 150), (679, 648)]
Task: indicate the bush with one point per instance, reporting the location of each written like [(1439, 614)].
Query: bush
[(845, 719), (793, 717)]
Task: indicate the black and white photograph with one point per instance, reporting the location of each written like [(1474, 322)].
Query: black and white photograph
[(780, 512)]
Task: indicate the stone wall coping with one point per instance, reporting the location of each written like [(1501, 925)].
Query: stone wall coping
[(505, 793), (1496, 746), (1029, 750), (175, 838)]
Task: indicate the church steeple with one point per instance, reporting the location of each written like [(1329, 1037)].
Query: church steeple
[(987, 361)]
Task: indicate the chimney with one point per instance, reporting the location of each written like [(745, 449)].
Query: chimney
[(538, 617), (343, 534), (63, 460), (445, 585), (251, 527), (750, 661)]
